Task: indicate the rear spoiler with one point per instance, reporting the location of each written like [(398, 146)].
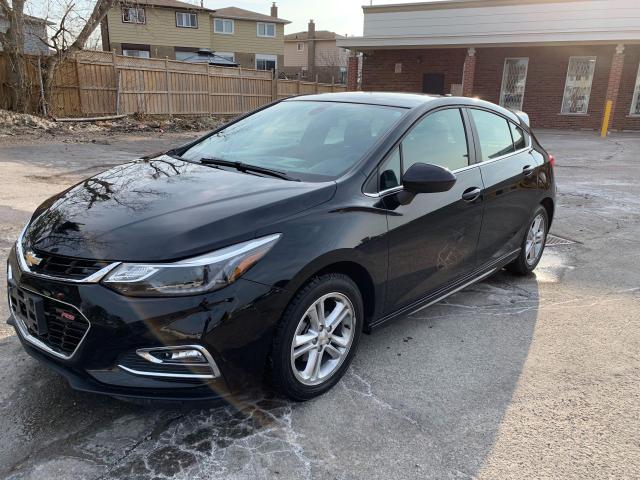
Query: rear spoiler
[(524, 118)]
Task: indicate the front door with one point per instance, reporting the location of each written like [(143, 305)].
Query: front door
[(433, 83), (509, 172), (432, 238)]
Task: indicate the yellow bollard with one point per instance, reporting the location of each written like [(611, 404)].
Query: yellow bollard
[(606, 119)]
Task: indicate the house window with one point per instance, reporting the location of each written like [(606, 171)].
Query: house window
[(133, 15), (514, 80), (343, 75), (221, 25), (578, 87), (300, 46), (186, 20), (266, 29), (135, 53), (635, 104), (266, 62), (304, 72)]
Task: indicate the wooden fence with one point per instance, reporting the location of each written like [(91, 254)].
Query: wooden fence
[(95, 83)]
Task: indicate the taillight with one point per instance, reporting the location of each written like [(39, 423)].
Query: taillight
[(552, 160)]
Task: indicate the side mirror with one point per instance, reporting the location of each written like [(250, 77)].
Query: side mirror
[(426, 178)]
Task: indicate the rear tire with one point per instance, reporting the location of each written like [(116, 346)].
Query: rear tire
[(533, 244), (317, 337)]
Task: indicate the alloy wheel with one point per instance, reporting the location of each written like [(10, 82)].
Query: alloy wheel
[(536, 237), (322, 339)]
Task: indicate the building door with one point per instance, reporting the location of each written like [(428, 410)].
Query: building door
[(433, 83)]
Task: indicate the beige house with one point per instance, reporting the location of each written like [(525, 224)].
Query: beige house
[(315, 53), (183, 31)]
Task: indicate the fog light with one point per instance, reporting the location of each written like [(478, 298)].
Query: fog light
[(9, 273), (188, 355), (180, 361), (179, 356)]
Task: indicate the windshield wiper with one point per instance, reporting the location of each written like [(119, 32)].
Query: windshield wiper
[(244, 167)]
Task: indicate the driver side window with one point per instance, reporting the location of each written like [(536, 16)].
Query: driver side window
[(439, 139), (391, 171)]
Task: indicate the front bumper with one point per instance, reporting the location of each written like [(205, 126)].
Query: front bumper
[(234, 325)]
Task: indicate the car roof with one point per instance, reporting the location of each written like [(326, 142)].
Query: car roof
[(408, 101), (392, 99)]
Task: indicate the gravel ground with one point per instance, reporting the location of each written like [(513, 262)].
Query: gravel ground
[(535, 377)]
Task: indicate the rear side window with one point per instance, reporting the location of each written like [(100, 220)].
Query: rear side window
[(495, 134), (438, 139), (519, 139)]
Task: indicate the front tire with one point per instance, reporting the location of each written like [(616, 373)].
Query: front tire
[(317, 337), (533, 244)]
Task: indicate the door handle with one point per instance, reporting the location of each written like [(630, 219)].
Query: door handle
[(471, 194), (528, 170)]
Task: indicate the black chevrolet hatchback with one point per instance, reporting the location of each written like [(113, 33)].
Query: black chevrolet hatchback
[(263, 250)]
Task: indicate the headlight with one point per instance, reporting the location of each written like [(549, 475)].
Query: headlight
[(196, 275)]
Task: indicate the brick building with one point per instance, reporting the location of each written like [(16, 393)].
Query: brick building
[(558, 60)]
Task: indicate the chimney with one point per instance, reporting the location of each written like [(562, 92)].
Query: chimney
[(311, 30), (274, 10), (311, 49)]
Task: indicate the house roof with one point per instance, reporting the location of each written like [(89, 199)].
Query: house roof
[(320, 35), (166, 4), (241, 14), (31, 19)]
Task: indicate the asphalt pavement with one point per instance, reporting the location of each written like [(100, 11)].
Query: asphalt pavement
[(535, 377)]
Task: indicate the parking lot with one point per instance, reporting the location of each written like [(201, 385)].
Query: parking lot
[(535, 377)]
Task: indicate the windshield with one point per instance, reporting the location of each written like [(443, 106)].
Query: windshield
[(312, 141)]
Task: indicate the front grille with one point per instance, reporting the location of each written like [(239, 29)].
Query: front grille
[(60, 327), (135, 362), (66, 267)]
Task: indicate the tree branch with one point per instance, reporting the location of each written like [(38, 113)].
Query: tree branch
[(99, 13), (4, 7)]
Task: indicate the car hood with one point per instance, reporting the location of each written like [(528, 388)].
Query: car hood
[(165, 209)]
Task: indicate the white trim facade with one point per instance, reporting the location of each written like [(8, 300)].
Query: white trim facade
[(494, 22)]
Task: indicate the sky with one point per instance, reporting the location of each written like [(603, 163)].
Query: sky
[(341, 16)]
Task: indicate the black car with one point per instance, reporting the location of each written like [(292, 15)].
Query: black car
[(262, 250)]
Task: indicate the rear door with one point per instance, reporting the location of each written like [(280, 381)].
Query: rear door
[(509, 174), (432, 237)]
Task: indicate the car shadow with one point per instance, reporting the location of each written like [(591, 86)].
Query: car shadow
[(425, 396), (448, 374)]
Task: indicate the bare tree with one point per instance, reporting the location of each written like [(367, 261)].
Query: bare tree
[(71, 31), (332, 58), (12, 42), (66, 40)]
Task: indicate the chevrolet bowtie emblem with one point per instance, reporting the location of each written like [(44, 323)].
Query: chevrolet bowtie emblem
[(32, 259)]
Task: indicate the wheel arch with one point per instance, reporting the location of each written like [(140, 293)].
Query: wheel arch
[(350, 266), (361, 278), (549, 206)]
